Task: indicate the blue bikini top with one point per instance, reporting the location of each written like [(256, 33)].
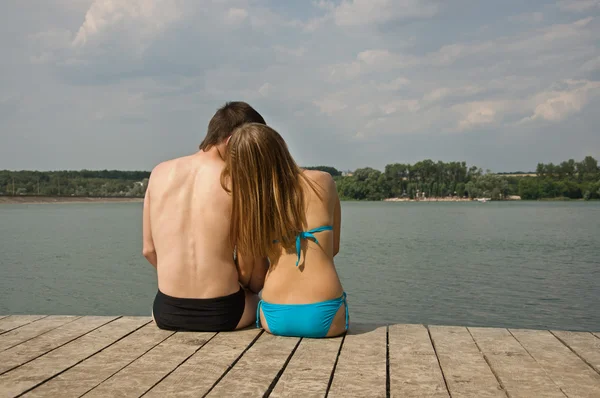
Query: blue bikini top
[(308, 235)]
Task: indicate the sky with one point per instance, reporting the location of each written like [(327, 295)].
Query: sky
[(127, 84)]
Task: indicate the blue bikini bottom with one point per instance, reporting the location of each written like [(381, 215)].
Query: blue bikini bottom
[(301, 320)]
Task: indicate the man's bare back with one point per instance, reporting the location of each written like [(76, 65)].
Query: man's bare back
[(187, 216), (190, 215)]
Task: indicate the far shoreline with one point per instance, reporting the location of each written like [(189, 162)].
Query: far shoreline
[(15, 200)]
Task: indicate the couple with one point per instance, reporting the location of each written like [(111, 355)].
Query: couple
[(237, 218)]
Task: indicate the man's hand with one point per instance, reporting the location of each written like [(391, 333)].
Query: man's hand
[(148, 249)]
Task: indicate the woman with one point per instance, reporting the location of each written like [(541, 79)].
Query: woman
[(291, 217)]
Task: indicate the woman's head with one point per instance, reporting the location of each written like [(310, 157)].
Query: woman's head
[(268, 199)]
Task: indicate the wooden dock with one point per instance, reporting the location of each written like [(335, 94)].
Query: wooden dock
[(70, 356)]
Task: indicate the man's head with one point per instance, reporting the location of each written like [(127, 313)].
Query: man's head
[(229, 117)]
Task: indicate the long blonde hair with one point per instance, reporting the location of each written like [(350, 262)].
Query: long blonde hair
[(265, 184)]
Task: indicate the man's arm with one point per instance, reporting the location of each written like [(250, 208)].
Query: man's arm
[(148, 249)]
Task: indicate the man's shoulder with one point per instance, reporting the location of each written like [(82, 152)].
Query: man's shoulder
[(162, 167), (179, 163)]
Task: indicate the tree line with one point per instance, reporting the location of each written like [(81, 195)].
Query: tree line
[(103, 183), (424, 179), (429, 179)]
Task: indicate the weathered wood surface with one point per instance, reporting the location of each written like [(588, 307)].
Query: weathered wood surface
[(466, 371), (567, 370), (309, 371), (31, 330), (32, 374), (130, 357), (253, 374), (146, 371), (196, 376), (9, 323), (28, 351), (518, 371), (361, 367), (88, 374), (585, 345), (414, 367)]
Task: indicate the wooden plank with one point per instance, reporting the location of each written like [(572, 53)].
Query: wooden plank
[(568, 371), (15, 321), (586, 345), (142, 374), (361, 367), (31, 374), (414, 367), (31, 330), (253, 374), (309, 371), (18, 355), (212, 361), (519, 373), (90, 373), (466, 372)]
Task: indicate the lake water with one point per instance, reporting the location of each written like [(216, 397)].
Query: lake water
[(518, 264)]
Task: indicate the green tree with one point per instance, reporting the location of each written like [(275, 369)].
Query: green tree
[(529, 188)]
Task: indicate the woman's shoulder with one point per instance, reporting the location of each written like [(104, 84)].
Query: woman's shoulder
[(322, 182), (322, 178)]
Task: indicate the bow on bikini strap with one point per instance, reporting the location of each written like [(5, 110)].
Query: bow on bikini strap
[(308, 235)]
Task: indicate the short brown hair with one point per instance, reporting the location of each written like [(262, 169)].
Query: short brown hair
[(229, 117)]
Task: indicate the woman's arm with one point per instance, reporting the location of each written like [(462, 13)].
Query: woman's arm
[(337, 226), (252, 272), (337, 219), (259, 274)]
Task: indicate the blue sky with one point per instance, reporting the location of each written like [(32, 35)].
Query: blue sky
[(127, 84)]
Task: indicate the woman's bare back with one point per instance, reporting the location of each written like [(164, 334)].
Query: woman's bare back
[(315, 278)]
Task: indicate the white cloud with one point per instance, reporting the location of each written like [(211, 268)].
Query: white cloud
[(477, 114), (364, 12), (557, 105), (316, 23), (235, 16), (563, 31), (144, 17), (394, 85), (366, 110), (578, 5), (437, 94), (295, 52), (532, 17), (265, 89), (441, 93), (390, 108), (591, 65), (370, 61), (330, 106)]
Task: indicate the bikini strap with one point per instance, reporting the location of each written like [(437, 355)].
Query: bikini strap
[(258, 314), (309, 235), (347, 314)]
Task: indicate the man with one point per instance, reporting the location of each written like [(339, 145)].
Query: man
[(186, 226)]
